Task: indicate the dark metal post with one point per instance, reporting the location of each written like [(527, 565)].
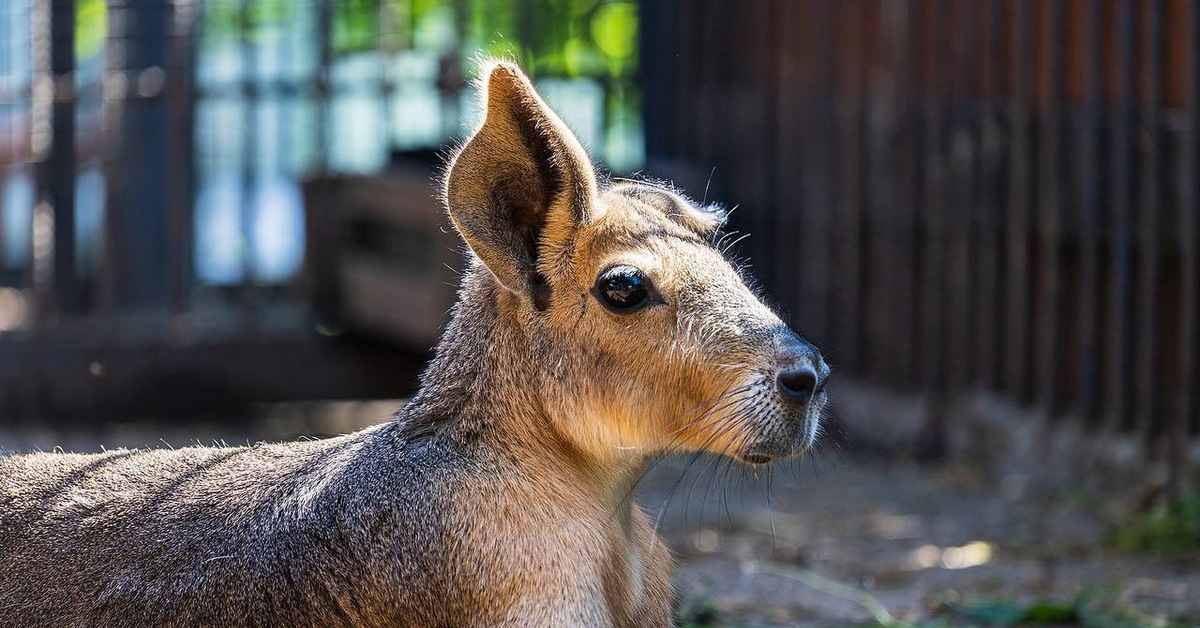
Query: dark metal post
[(139, 193), (54, 154), (180, 111)]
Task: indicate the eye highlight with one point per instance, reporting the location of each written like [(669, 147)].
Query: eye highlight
[(623, 289)]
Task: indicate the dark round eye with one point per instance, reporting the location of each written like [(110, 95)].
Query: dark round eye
[(623, 289)]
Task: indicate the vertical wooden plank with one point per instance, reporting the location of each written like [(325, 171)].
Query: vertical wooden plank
[(1017, 218), (819, 121), (885, 327), (850, 69), (992, 192), (1190, 227), (1047, 223), (667, 61), (961, 155), (684, 82), (1181, 89), (789, 74), (672, 70), (1117, 348), (1146, 363), (657, 34), (695, 89), (932, 290), (753, 109), (876, 177), (714, 104), (1084, 20), (872, 176), (903, 269)]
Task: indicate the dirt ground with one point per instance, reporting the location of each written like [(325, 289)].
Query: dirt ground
[(835, 540), (922, 544)]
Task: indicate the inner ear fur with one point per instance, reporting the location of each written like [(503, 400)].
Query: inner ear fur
[(520, 186)]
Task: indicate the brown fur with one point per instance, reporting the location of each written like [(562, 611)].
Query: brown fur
[(500, 495)]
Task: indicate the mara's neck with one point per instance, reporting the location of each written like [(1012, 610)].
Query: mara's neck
[(483, 390)]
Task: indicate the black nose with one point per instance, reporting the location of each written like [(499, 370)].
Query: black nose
[(802, 373), (799, 383)]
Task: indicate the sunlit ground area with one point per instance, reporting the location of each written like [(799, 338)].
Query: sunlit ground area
[(830, 540), (864, 542)]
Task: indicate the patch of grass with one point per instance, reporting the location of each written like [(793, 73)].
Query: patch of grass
[(1082, 497), (1093, 608), (1170, 527), (696, 613), (1004, 613)]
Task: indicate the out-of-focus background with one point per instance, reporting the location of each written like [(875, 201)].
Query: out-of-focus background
[(218, 223)]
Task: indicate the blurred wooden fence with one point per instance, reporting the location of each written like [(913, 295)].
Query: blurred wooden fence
[(113, 320), (948, 196), (152, 212)]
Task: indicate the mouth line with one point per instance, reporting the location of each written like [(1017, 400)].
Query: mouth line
[(755, 458)]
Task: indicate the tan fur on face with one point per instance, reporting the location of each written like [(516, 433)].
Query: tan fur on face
[(619, 384), (638, 376)]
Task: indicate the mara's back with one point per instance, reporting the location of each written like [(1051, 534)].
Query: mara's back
[(236, 536)]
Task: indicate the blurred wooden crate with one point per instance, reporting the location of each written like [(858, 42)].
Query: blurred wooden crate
[(382, 257)]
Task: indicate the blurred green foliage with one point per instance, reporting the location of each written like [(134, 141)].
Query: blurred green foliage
[(91, 27), (570, 38), (1171, 526), (594, 41)]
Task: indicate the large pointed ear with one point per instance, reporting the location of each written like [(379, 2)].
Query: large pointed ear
[(520, 185)]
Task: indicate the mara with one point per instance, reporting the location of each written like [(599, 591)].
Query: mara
[(597, 327)]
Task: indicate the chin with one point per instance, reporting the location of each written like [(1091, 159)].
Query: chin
[(780, 443)]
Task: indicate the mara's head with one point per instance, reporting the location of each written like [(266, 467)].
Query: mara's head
[(636, 332)]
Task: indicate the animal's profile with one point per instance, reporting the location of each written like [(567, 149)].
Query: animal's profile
[(598, 326)]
